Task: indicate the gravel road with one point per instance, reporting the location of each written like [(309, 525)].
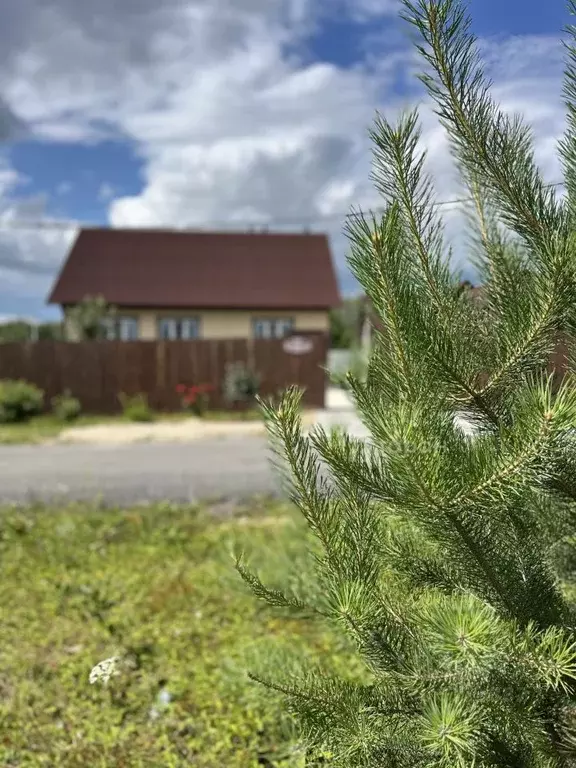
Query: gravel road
[(180, 472), (223, 467)]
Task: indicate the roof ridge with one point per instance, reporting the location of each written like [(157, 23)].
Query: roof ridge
[(216, 232)]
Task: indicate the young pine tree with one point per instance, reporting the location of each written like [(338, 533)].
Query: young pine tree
[(444, 556)]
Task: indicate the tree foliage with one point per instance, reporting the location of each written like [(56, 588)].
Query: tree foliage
[(88, 317), (22, 330), (446, 557), (346, 323)]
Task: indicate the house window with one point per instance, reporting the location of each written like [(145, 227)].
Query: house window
[(176, 328), (272, 327), (121, 329)]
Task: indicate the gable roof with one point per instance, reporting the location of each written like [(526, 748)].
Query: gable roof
[(204, 270)]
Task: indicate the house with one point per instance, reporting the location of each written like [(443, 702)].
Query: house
[(207, 285)]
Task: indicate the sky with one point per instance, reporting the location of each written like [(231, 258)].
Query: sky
[(227, 114)]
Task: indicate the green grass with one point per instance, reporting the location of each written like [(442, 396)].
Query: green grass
[(156, 586), (42, 428)]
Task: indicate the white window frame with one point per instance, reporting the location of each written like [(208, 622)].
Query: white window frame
[(272, 327), (181, 328), (122, 328)]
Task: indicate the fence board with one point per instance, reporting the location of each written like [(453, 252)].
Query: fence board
[(96, 372)]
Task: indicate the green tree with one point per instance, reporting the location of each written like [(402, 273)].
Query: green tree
[(341, 335), (89, 316), (21, 331), (444, 559), (50, 331), (15, 331), (346, 323)]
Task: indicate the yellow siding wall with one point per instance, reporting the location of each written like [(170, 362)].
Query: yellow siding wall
[(147, 325), (218, 324), (234, 324)]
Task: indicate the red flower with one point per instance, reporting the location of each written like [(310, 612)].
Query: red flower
[(190, 394)]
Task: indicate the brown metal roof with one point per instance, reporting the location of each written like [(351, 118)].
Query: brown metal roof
[(152, 268)]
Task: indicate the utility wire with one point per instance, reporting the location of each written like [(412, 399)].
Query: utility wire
[(40, 224)]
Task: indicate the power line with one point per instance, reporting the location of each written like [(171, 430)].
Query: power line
[(62, 225)]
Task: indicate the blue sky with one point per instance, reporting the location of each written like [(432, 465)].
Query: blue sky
[(201, 116), (516, 17)]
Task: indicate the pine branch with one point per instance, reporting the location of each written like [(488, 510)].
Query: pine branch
[(401, 179), (274, 596), (495, 147), (567, 145), (383, 276), (301, 470)]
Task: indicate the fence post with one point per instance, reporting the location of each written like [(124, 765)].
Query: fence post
[(161, 364)]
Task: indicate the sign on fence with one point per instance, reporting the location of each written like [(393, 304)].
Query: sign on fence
[(298, 345)]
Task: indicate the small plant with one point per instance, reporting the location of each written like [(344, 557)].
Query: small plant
[(196, 398), (66, 407), (241, 384), (135, 407), (19, 401)]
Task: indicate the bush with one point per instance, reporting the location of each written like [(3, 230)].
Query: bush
[(19, 401), (66, 407), (135, 407), (241, 384), (195, 399)]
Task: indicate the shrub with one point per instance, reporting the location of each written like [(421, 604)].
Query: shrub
[(66, 407), (19, 401), (196, 398), (241, 384), (135, 407)]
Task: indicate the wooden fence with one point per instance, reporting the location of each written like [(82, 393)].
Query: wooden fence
[(96, 372), (560, 358)]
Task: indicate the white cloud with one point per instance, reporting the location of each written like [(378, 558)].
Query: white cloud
[(29, 255), (231, 126), (369, 9)]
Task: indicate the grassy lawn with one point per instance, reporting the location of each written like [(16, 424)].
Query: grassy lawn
[(156, 586), (42, 428)]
